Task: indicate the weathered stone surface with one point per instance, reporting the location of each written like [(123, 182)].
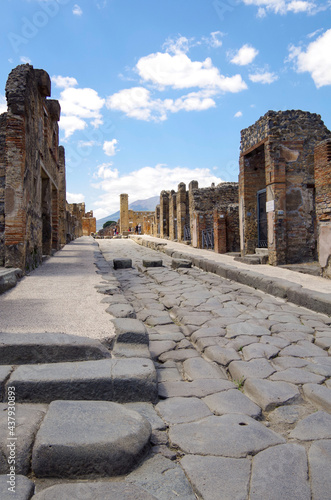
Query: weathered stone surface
[(197, 388), (318, 395), (122, 263), (180, 410), (297, 376), (198, 368), (24, 488), (168, 374), (89, 438), (147, 410), (163, 319), (158, 347), (96, 491), (259, 368), (162, 478), (280, 472), (152, 263), (132, 331), (9, 278), (27, 419), (259, 350), (268, 395), (121, 311), (179, 263), (284, 318), (178, 355), (284, 362), (303, 349), (320, 465), (222, 355), (246, 329), (291, 327), (230, 435), (315, 426), (48, 348), (4, 373), (130, 351), (289, 414), (121, 380), (232, 401), (218, 477)]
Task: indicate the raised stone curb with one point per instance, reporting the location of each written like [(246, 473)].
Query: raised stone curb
[(131, 331), (9, 278), (48, 348), (89, 438)]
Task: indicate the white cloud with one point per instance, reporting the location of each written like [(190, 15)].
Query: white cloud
[(75, 198), (138, 103), (3, 104), (64, 81), (25, 60), (136, 185), (109, 147), (238, 114), (316, 59), (77, 11), (78, 106), (284, 6), (265, 77), (180, 45), (105, 172), (214, 40), (245, 55)]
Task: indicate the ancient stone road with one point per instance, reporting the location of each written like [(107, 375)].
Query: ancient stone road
[(244, 389), (209, 337)]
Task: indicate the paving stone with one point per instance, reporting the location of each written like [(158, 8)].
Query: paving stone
[(292, 327), (222, 355), (132, 331), (179, 410), (253, 351), (315, 426), (259, 368), (168, 374), (120, 490), (167, 329), (323, 342), (121, 311), (181, 263), (230, 435), (232, 401), (162, 478), (218, 477), (198, 368), (147, 410), (303, 349), (206, 331), (179, 355), (287, 414), (122, 263), (159, 320), (280, 472), (108, 290), (174, 336), (184, 344), (4, 374), (195, 320), (22, 348), (197, 388), (268, 395), (23, 487), (158, 347), (297, 376), (246, 329), (285, 318), (89, 438), (130, 351), (27, 419), (285, 362), (114, 299), (319, 467), (121, 380), (275, 340), (152, 262), (318, 395), (239, 342)]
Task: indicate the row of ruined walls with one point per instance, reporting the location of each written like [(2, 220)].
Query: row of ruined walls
[(35, 219)]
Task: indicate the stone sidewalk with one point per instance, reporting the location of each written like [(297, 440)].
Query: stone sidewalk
[(242, 405)]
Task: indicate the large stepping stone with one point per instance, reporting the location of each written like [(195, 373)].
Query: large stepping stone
[(230, 435), (121, 311), (89, 438), (280, 472), (320, 465), (36, 348), (96, 491), (120, 380), (218, 477), (132, 331), (27, 421), (268, 395), (122, 263), (23, 487), (152, 262)]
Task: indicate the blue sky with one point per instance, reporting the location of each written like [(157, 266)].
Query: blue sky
[(156, 92)]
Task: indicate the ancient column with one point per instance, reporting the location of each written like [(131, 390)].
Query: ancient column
[(124, 212)]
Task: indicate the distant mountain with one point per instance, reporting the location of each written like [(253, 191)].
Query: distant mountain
[(138, 206)]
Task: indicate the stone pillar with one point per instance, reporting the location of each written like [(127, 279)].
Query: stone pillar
[(62, 197), (181, 210), (220, 239), (124, 212), (173, 216), (322, 167), (55, 219), (46, 206), (164, 214)]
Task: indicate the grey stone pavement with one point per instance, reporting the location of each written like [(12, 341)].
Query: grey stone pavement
[(244, 383)]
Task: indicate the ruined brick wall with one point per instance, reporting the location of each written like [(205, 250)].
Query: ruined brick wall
[(77, 210), (136, 218), (3, 118), (89, 225), (322, 164), (277, 154)]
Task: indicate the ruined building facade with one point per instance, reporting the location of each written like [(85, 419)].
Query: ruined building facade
[(277, 186), (129, 219), (34, 220)]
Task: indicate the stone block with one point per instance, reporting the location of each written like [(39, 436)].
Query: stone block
[(181, 263), (232, 401), (179, 410), (318, 395), (122, 263), (315, 426), (268, 395), (24, 488), (152, 263), (319, 466), (132, 331)]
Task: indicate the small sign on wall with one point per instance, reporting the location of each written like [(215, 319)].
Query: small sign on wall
[(270, 206)]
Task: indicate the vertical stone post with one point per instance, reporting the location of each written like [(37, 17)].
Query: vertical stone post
[(220, 239), (164, 214), (181, 210), (173, 216), (124, 212), (55, 219), (62, 197)]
